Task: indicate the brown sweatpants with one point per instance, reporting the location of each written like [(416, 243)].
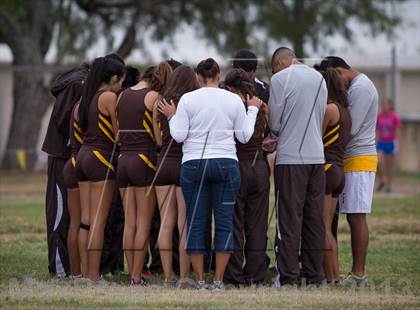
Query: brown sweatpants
[(250, 219), (300, 227)]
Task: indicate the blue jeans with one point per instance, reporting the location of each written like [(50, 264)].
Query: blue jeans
[(204, 182)]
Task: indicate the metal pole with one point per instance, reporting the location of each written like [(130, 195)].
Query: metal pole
[(393, 73)]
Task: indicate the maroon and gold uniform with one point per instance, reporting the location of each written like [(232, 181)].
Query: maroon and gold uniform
[(335, 141), (95, 160), (137, 159)]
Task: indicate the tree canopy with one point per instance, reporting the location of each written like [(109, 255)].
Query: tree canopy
[(31, 28)]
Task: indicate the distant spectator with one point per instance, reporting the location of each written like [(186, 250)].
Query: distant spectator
[(387, 132)]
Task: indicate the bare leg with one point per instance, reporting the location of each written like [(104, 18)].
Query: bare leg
[(73, 203), (101, 199), (84, 189), (222, 260), (197, 261), (359, 241), (129, 204), (145, 203), (167, 207), (331, 268), (184, 258), (389, 166)]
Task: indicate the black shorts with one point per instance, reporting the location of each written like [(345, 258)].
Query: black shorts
[(95, 165), (168, 172), (136, 169), (335, 180), (70, 173)]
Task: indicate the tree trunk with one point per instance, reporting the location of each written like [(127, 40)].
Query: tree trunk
[(299, 22), (31, 100)]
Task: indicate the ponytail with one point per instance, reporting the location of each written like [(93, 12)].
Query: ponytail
[(335, 86), (160, 77), (101, 71)]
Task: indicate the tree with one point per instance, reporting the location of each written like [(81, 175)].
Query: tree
[(301, 21), (28, 28), (31, 27)]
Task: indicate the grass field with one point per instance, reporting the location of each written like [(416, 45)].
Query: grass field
[(393, 263)]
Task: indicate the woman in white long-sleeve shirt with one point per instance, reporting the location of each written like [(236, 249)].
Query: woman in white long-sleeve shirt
[(206, 121)]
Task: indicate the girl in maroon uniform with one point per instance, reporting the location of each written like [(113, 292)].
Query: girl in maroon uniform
[(73, 194), (169, 194), (95, 162), (336, 128), (137, 165)]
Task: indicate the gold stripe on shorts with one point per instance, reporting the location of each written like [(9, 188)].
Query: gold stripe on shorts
[(103, 160), (327, 166), (73, 161), (147, 161)]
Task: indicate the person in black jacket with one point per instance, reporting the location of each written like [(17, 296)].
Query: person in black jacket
[(66, 88), (247, 61)]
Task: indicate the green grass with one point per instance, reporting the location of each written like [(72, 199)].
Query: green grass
[(393, 265)]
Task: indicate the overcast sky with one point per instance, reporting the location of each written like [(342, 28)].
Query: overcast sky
[(363, 50)]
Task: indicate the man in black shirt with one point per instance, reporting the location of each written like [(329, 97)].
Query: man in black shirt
[(248, 61), (251, 208)]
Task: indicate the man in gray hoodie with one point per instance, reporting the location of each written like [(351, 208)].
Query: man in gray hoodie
[(298, 100)]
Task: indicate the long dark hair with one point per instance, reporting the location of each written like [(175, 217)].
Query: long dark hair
[(160, 76), (241, 81), (101, 71), (336, 90), (181, 81)]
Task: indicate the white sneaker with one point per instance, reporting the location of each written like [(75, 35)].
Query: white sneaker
[(218, 286), (201, 286)]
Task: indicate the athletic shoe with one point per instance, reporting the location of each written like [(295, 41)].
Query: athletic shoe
[(201, 286), (142, 282), (353, 280), (388, 189), (169, 283), (218, 286), (185, 284)]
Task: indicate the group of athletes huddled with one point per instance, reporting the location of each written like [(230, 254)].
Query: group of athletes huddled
[(194, 146)]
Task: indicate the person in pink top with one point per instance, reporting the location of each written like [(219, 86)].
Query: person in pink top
[(387, 132)]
